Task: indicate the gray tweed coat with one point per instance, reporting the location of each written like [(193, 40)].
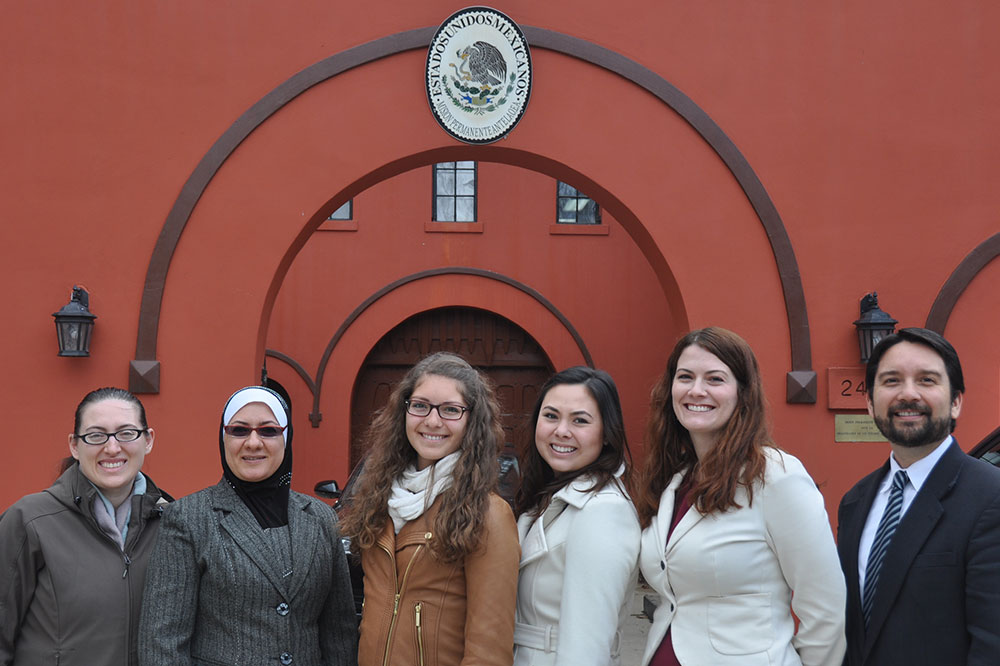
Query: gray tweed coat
[(215, 593)]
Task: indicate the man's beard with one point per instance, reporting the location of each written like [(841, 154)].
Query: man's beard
[(932, 431)]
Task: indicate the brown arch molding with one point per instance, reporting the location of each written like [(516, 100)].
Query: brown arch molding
[(317, 386), (959, 280), (295, 365), (144, 371)]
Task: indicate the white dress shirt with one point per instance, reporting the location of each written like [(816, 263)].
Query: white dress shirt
[(916, 474)]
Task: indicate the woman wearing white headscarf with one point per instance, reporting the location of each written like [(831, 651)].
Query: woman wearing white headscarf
[(248, 571)]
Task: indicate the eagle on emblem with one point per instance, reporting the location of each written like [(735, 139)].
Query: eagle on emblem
[(486, 63)]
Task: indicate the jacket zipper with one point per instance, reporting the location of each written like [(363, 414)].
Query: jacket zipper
[(420, 633), (400, 586), (88, 518), (143, 519)]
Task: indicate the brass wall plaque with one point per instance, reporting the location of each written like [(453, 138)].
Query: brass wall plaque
[(856, 428)]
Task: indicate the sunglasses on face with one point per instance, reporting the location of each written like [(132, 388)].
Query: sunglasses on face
[(264, 431)]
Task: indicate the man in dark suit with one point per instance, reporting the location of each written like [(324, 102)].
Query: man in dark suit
[(919, 538)]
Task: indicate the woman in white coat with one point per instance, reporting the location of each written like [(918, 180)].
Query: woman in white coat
[(578, 529), (736, 535)]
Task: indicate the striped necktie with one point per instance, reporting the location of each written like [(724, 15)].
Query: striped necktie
[(886, 528)]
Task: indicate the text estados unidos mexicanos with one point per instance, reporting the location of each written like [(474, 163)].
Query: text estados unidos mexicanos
[(440, 46)]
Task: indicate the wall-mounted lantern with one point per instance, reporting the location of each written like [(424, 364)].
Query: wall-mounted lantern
[(74, 323), (872, 325)]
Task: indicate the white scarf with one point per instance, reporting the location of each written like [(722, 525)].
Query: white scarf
[(415, 490)]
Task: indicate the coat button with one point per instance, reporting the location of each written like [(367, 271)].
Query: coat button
[(286, 658), (663, 565), (282, 609), (428, 535)]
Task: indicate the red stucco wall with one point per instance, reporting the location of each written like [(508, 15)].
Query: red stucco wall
[(870, 127)]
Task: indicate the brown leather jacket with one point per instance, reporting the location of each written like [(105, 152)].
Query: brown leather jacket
[(421, 612)]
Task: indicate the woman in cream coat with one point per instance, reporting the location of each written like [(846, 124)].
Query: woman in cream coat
[(578, 529), (736, 534)]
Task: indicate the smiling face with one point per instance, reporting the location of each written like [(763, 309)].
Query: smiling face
[(911, 399), (254, 458), (111, 466), (431, 436), (569, 433), (704, 394)]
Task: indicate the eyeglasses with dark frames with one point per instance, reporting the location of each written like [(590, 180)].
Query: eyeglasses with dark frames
[(264, 431), (448, 411), (124, 436)]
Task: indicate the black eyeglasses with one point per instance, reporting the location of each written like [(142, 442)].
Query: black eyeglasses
[(124, 436), (264, 432), (449, 411)]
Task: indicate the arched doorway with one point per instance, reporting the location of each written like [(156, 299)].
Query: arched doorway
[(508, 354)]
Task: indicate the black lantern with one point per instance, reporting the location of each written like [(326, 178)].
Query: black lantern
[(873, 325), (74, 323)]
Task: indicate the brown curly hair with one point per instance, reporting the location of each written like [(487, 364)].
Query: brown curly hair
[(737, 459), (464, 504)]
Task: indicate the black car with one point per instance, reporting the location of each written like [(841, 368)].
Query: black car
[(988, 449), (331, 490)]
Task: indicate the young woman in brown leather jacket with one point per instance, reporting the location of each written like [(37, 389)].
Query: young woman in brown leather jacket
[(438, 547)]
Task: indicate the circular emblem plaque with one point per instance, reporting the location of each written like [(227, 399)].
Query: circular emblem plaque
[(478, 75)]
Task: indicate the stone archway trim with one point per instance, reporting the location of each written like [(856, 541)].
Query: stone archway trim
[(144, 371), (959, 280)]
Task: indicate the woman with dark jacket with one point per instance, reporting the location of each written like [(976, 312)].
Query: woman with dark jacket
[(438, 546), (247, 571), (74, 556)]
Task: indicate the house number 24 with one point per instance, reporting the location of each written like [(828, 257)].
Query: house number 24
[(849, 386)]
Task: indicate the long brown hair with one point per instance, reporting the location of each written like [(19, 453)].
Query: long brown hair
[(736, 460), (538, 482), (458, 525)]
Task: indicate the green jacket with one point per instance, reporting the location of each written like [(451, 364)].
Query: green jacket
[(68, 594)]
